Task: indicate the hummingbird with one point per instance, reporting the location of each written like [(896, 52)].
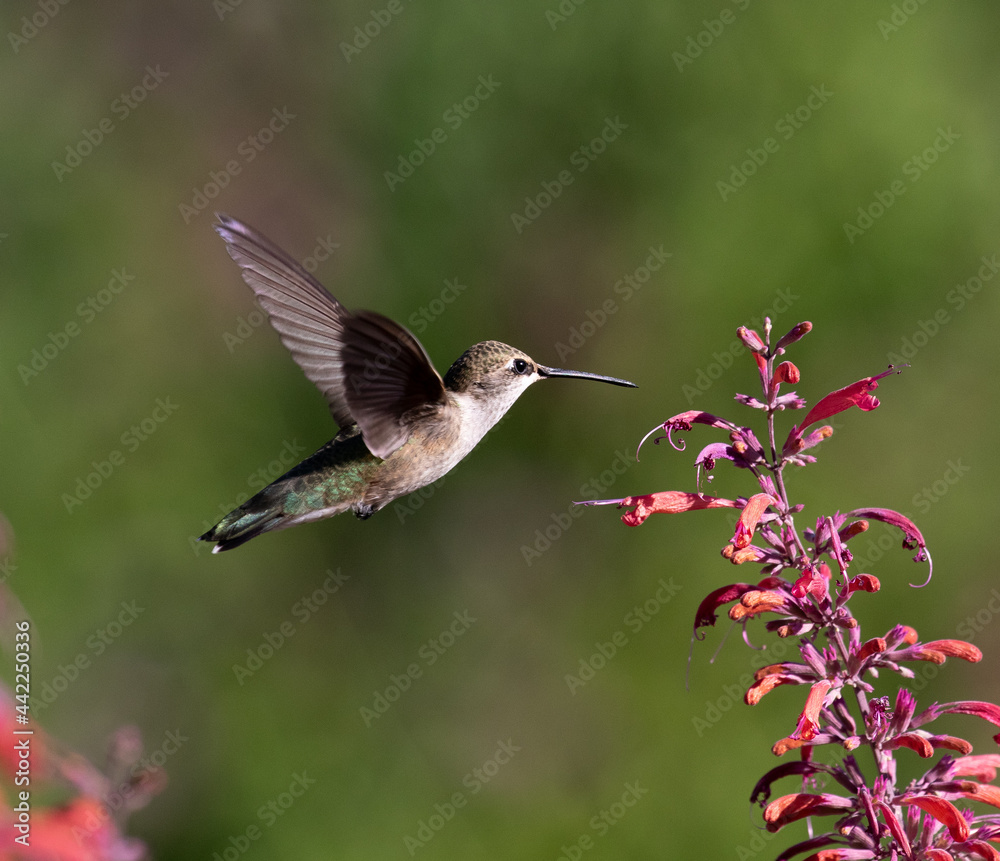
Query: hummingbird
[(402, 426)]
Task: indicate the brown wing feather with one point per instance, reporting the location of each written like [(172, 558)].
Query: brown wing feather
[(308, 319), (370, 369), (386, 373)]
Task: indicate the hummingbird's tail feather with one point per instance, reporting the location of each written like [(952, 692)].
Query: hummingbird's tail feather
[(309, 491), (240, 526)]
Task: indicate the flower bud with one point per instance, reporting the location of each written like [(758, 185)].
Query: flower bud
[(751, 340), (797, 332)]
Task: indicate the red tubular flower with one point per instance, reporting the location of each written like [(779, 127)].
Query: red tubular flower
[(955, 649), (986, 711), (755, 602), (895, 826), (864, 583), (750, 517), (980, 848), (665, 502), (855, 395), (751, 340), (814, 581), (746, 554), (943, 811), (920, 745), (950, 742), (790, 808), (982, 792), (809, 720), (983, 767), (786, 372), (874, 646), (755, 693), (793, 335)]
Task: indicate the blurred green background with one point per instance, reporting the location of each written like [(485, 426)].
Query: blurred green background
[(125, 128)]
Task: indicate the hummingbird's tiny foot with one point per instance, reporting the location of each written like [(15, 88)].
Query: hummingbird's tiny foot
[(363, 512)]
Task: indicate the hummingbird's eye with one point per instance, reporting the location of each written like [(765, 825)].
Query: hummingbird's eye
[(520, 366)]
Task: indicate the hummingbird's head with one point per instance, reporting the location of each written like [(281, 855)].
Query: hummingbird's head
[(495, 374), (492, 371)]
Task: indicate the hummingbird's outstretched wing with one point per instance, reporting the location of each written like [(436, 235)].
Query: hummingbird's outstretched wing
[(387, 372), (369, 369), (308, 319)]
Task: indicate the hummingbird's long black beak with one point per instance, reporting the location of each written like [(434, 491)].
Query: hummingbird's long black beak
[(583, 375)]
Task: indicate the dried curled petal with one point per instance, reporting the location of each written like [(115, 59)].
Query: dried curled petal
[(912, 536), (683, 422), (706, 616)]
